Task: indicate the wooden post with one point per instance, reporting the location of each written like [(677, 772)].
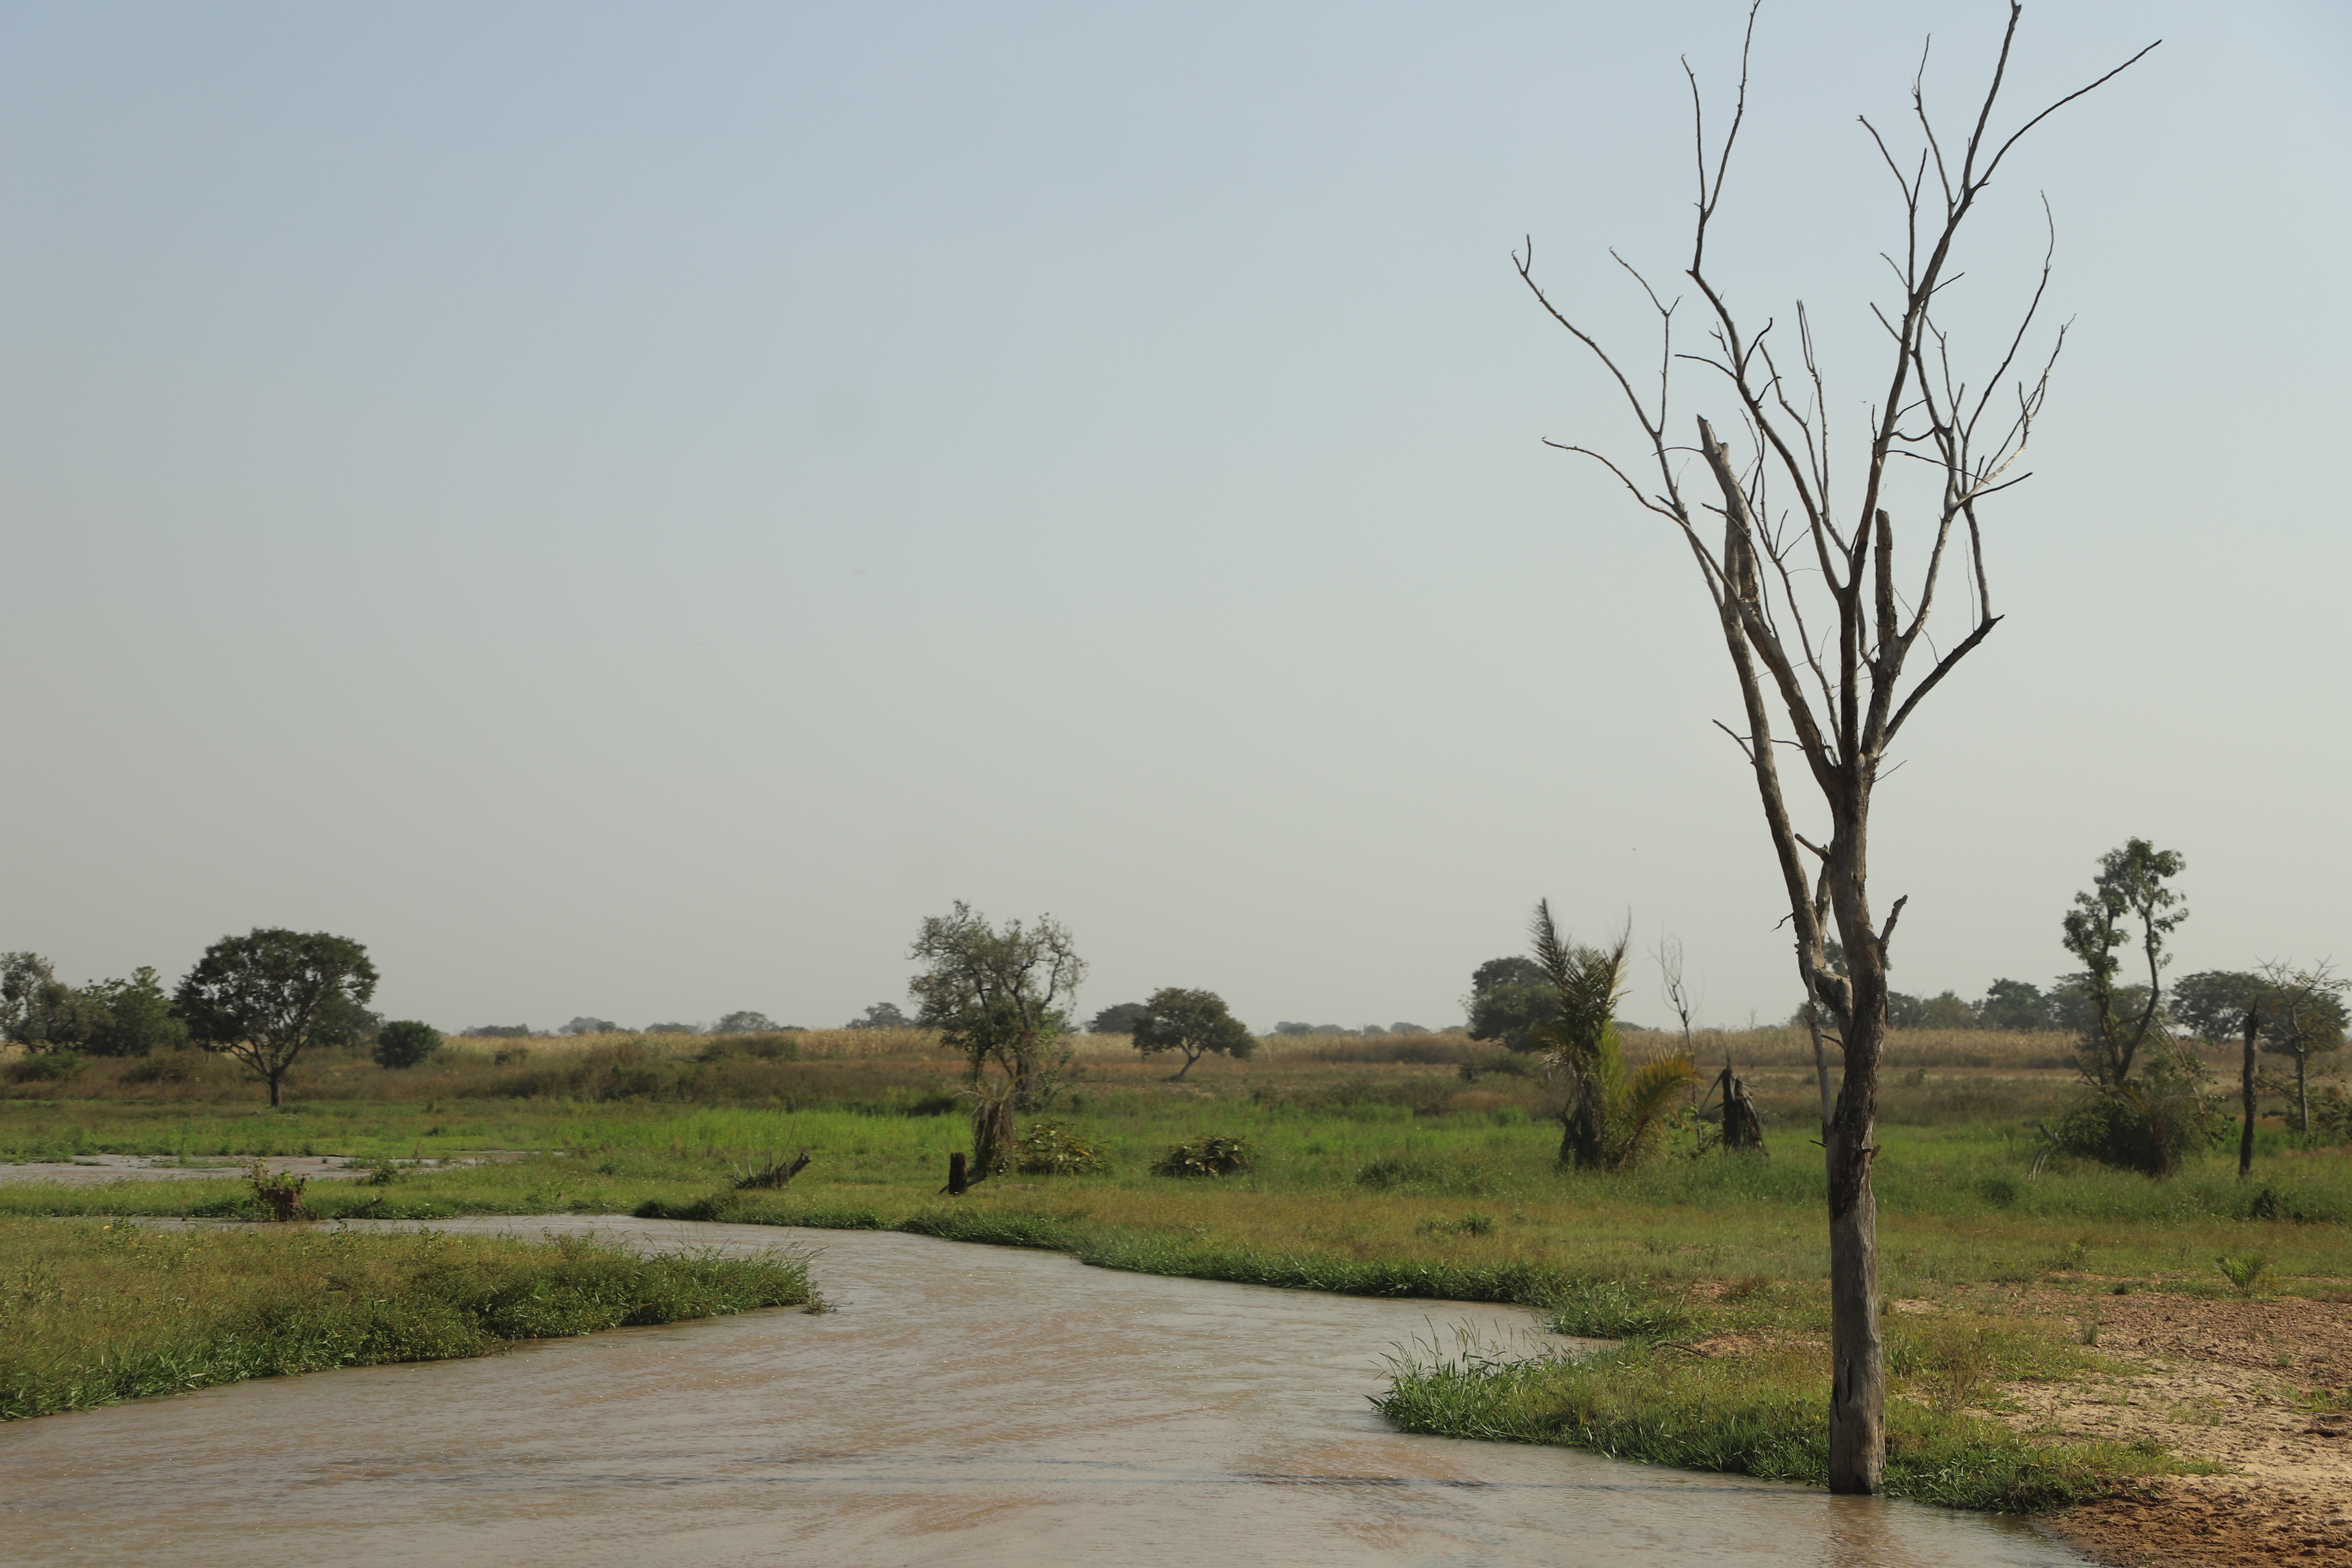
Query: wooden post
[(957, 1181), (2246, 1083)]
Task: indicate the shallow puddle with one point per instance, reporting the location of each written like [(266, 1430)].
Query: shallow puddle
[(967, 1405)]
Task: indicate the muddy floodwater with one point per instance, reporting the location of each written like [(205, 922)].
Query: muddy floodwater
[(965, 1405)]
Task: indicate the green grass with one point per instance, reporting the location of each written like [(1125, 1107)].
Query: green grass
[(1764, 1415), (91, 1313)]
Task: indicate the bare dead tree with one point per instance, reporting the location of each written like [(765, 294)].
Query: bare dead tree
[(1819, 633), (1668, 956)]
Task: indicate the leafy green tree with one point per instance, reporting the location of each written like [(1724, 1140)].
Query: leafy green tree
[(1943, 1011), (745, 1024), (2212, 1003), (1196, 1023), (998, 995), (266, 997), (1118, 1019), (882, 1016), (133, 1016), (2143, 1111), (587, 1026), (1614, 1117), (2013, 1004), (405, 1043), (1511, 1000), (37, 1010)]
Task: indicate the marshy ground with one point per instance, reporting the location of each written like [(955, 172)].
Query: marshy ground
[(2059, 1308)]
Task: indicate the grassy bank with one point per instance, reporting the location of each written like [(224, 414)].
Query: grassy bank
[(91, 1313), (1766, 1413)]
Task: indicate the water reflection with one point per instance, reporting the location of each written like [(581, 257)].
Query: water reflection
[(978, 1405)]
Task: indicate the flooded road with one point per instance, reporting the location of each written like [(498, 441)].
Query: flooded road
[(967, 1405)]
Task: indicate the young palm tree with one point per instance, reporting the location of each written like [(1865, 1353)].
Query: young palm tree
[(1613, 1119)]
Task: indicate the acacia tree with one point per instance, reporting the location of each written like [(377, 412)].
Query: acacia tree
[(268, 996), (1818, 634), (1196, 1023), (998, 995)]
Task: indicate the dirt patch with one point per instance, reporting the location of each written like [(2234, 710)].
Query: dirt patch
[(2256, 1386)]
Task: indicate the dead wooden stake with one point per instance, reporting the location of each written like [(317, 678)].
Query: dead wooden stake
[(957, 1181)]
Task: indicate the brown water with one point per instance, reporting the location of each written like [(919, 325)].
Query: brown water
[(967, 1405)]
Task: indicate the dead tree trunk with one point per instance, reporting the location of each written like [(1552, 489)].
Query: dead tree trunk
[(1820, 636), (1743, 1126)]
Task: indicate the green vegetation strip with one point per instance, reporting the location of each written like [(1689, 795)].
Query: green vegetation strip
[(1765, 1413), (1138, 1252), (90, 1314)]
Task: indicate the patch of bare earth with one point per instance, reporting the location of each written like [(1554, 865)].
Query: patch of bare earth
[(2255, 1386)]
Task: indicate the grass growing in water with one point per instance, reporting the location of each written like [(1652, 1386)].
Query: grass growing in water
[(94, 1313)]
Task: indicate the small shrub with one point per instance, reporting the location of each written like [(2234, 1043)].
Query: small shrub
[(163, 1067), (2248, 1274), (1207, 1157), (2000, 1192), (405, 1043), (1049, 1149), (383, 1171), (44, 1067), (1501, 1064), (1391, 1173), (511, 1056), (279, 1192)]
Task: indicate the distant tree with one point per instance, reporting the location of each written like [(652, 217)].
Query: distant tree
[(882, 1016), (499, 1032), (1511, 1000), (671, 1030), (998, 994), (2013, 1004), (2302, 1017), (266, 997), (744, 1023), (405, 1043), (586, 1025), (1407, 1029), (1943, 1011), (2212, 1005), (1118, 1019), (2075, 1010), (1194, 1022), (37, 1010), (134, 1016)]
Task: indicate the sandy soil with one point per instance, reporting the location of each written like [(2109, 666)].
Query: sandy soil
[(2257, 1386)]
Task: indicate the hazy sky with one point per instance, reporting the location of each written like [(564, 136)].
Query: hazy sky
[(625, 509)]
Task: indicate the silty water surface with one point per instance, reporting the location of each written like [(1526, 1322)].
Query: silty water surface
[(968, 1405)]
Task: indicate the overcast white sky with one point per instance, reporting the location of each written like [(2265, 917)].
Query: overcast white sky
[(627, 509)]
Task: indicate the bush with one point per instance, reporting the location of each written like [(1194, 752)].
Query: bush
[(44, 1067), (2178, 1122), (164, 1067), (1207, 1157), (1049, 1149), (405, 1043)]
